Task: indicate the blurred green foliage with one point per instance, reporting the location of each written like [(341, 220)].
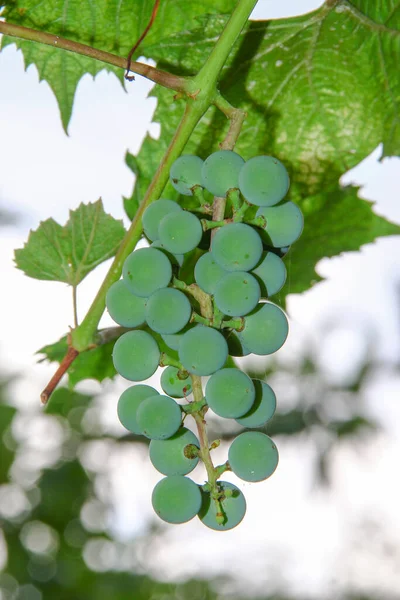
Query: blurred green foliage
[(52, 552)]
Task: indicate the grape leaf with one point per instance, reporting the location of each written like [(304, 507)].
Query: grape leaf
[(69, 253), (93, 364), (334, 222), (110, 26), (64, 402)]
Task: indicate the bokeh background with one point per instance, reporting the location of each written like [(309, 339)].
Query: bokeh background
[(76, 518)]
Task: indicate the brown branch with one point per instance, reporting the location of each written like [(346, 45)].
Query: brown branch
[(62, 369), (165, 79), (140, 40)]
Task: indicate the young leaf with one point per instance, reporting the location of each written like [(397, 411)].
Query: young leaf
[(69, 253)]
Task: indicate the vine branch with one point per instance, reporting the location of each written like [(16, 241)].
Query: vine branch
[(62, 369), (165, 79)]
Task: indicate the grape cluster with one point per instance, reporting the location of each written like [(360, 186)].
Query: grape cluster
[(190, 305)]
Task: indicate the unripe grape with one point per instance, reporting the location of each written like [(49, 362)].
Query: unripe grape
[(233, 506), (230, 393), (263, 408), (203, 350), (263, 181), (154, 213), (284, 223), (185, 173), (124, 307), (173, 385), (159, 417), (136, 355), (146, 270), (253, 456), (168, 311), (237, 247), (208, 273), (129, 402), (220, 172), (180, 232), (265, 329), (237, 293), (176, 499), (168, 456), (270, 274)]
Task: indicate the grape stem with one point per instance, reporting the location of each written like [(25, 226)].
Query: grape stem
[(215, 316), (168, 361), (195, 318), (239, 215), (237, 324), (234, 196), (260, 221), (206, 224), (204, 453), (194, 290), (198, 193)]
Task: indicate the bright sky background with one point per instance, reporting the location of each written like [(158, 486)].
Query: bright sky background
[(291, 530)]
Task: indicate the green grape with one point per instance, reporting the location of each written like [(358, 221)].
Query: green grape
[(207, 273), (180, 232), (284, 223), (154, 213), (124, 307), (270, 273), (220, 172), (129, 402), (168, 456), (159, 417), (176, 499), (253, 456), (146, 270), (203, 350), (230, 393), (263, 181), (235, 344), (265, 329), (136, 355), (233, 506), (168, 311), (237, 293), (237, 247), (173, 386), (176, 259), (263, 408), (185, 173)]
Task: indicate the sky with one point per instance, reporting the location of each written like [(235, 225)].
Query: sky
[(44, 173)]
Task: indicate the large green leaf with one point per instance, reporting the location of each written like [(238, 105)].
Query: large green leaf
[(335, 222), (108, 25), (69, 253)]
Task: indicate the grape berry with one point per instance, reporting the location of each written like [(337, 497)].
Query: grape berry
[(193, 328)]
